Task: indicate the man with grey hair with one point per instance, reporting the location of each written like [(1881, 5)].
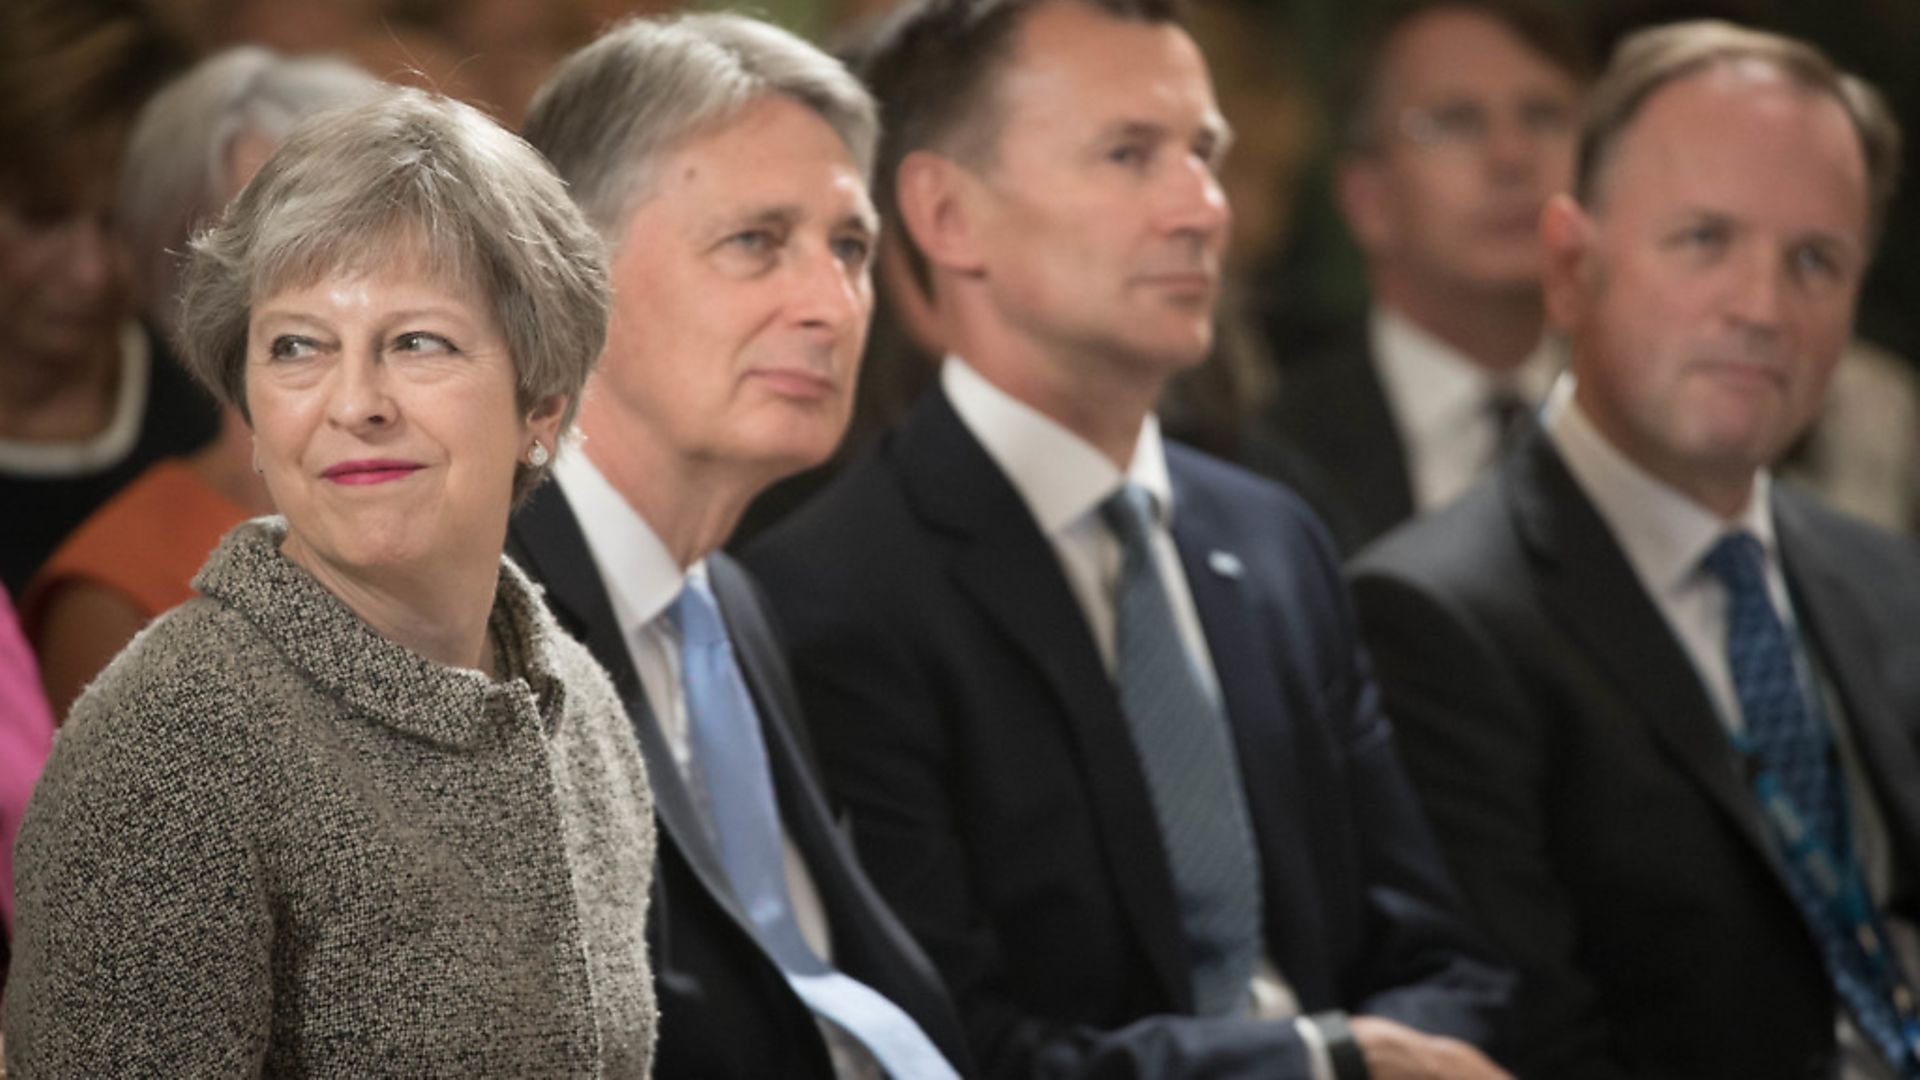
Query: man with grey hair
[(1662, 711), (725, 162)]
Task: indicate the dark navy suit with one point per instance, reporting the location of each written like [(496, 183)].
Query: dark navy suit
[(964, 714)]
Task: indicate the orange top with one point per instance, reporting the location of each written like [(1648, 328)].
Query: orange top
[(145, 543)]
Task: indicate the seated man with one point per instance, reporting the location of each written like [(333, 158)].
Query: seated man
[(1096, 701), (1459, 124), (1661, 710), (725, 161)]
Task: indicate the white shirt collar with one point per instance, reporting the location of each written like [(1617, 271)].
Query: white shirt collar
[(1664, 532), (102, 451), (1433, 387), (640, 575), (1060, 476)]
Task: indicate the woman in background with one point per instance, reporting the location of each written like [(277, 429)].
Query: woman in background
[(88, 397), (360, 808), (195, 145)]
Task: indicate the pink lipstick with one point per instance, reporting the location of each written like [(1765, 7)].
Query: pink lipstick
[(371, 471)]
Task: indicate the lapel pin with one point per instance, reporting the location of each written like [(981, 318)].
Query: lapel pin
[(1226, 564)]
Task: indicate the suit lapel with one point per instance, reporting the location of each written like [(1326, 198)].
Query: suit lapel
[(1253, 699), (1005, 565), (1837, 631), (1586, 580), (545, 536), (869, 943), (1336, 410)]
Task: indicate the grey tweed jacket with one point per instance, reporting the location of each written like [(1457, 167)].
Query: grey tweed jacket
[(271, 841)]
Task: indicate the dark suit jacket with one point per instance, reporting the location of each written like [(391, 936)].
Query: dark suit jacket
[(965, 715), (725, 1009), (1347, 457), (1587, 796)]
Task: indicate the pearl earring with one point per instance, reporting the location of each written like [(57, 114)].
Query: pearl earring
[(537, 457)]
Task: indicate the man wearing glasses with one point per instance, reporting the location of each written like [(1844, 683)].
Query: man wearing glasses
[(1459, 125)]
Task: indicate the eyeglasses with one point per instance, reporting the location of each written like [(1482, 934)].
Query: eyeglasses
[(1469, 125)]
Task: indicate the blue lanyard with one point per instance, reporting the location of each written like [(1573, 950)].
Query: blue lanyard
[(1839, 882)]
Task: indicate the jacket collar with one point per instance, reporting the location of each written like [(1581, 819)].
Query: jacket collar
[(370, 674)]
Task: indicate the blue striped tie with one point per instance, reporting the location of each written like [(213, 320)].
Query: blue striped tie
[(1192, 772), (733, 763)]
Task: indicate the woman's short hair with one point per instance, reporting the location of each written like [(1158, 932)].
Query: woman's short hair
[(175, 173), (411, 173), (612, 110)]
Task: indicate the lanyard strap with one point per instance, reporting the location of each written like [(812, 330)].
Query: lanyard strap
[(1837, 884)]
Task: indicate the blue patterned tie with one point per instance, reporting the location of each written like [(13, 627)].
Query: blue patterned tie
[(1193, 775), (733, 763), (1787, 736)]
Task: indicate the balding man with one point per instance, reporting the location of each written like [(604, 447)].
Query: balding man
[(1661, 710)]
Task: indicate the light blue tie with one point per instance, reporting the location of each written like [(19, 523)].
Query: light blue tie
[(1193, 774), (732, 760)]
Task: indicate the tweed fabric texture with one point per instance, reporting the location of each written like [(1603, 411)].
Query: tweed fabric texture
[(272, 841)]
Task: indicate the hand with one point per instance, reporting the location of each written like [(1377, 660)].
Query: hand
[(1397, 1052)]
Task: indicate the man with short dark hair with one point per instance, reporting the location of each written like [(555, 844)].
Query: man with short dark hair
[(1095, 700), (1660, 709), (725, 161), (1459, 124)]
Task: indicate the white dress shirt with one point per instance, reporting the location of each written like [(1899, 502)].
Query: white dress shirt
[(1665, 534), (1442, 402), (642, 581), (1063, 480)]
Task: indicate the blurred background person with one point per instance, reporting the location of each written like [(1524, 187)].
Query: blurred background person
[(1862, 454), (195, 145), (362, 806), (1458, 125), (88, 398)]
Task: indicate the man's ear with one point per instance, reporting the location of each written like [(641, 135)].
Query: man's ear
[(1365, 197), (936, 206), (1567, 235)]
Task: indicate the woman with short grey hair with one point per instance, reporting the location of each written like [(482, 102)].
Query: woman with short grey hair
[(362, 807)]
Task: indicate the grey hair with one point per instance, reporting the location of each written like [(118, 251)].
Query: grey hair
[(411, 173), (611, 111), (174, 177)]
